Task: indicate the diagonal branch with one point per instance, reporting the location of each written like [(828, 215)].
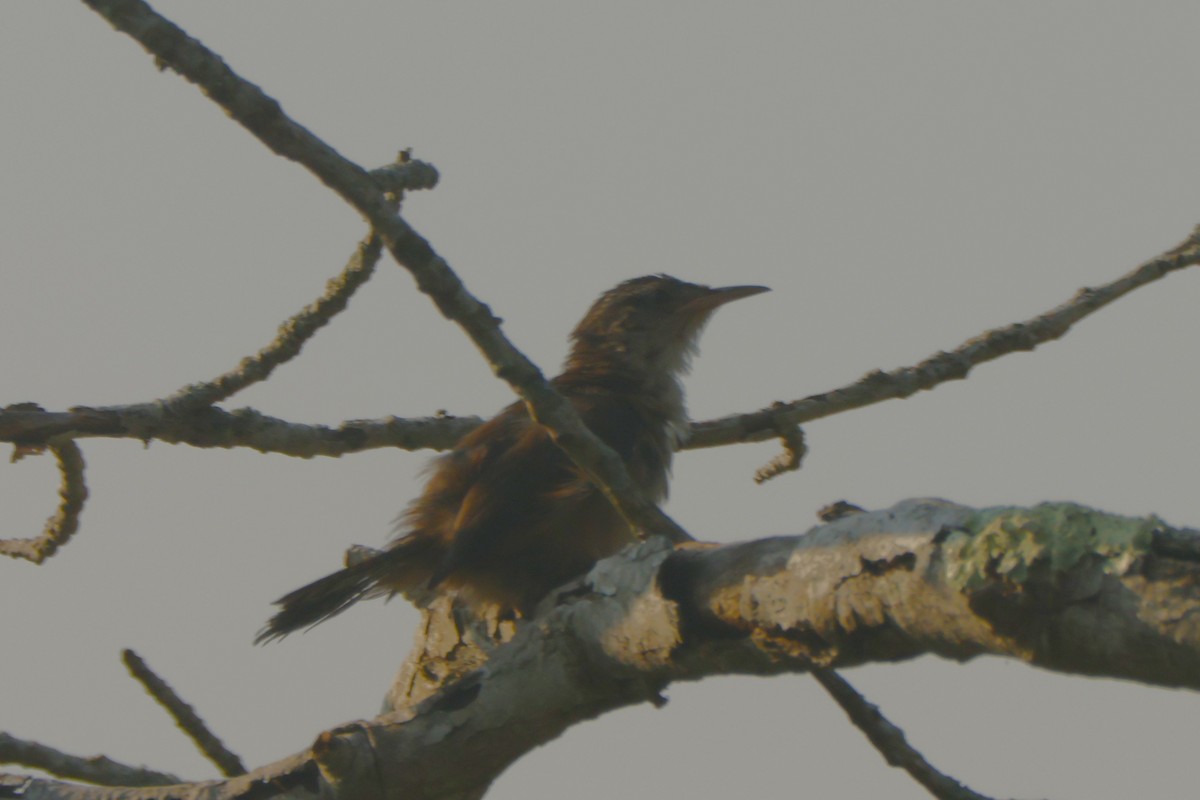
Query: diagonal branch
[(878, 386), (263, 117), (184, 715), (406, 174), (890, 740), (291, 337), (98, 770)]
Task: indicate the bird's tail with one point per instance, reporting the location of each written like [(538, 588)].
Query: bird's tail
[(329, 596)]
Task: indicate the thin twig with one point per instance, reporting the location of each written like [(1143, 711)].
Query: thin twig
[(262, 116), (291, 337), (98, 770), (287, 344), (794, 450), (72, 492), (405, 175), (889, 740), (184, 715), (878, 386)]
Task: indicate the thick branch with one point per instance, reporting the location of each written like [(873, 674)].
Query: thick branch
[(1059, 586)]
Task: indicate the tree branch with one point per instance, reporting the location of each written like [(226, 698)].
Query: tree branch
[(244, 427), (99, 770), (186, 417), (291, 337), (890, 740), (1059, 586), (877, 386), (406, 174), (62, 525), (28, 424), (184, 715), (794, 450)]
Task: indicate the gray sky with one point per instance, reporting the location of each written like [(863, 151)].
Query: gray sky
[(903, 175)]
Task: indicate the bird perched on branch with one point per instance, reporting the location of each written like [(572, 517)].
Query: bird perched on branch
[(506, 516)]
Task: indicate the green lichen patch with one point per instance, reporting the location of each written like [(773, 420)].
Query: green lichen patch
[(1009, 542)]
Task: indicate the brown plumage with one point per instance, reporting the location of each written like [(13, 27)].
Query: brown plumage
[(506, 516)]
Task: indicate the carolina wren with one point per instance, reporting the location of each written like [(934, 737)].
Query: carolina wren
[(506, 516)]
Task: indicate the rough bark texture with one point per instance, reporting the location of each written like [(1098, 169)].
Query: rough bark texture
[(1059, 586)]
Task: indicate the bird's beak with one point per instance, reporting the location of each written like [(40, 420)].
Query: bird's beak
[(722, 295)]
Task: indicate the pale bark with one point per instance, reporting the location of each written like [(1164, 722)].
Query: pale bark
[(1058, 586)]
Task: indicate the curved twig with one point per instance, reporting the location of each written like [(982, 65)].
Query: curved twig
[(72, 493), (794, 450), (406, 174), (291, 337)]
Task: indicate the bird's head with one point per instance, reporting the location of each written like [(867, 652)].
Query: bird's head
[(650, 324)]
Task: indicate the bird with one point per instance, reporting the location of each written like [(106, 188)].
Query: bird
[(506, 516)]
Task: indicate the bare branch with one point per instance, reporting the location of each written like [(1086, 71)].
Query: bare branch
[(878, 386), (291, 337), (890, 741), (27, 424), (210, 427), (245, 427), (100, 770), (184, 715), (72, 493), (263, 117), (405, 174)]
